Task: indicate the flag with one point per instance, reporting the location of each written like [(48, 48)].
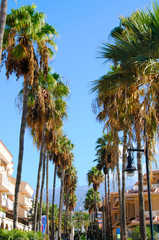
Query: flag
[(43, 224)]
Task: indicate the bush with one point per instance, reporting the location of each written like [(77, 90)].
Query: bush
[(20, 235), (135, 235)]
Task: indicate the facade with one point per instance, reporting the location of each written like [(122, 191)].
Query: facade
[(7, 188), (132, 205)]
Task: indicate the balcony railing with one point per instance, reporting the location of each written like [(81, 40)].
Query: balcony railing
[(154, 213), (25, 203), (28, 202), (5, 185), (3, 202), (10, 205), (25, 214), (6, 203)]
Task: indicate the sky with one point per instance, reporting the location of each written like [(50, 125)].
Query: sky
[(82, 26)]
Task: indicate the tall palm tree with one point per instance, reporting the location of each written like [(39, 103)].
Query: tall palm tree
[(70, 183), (46, 110), (90, 204), (95, 177), (42, 188), (112, 103), (47, 195), (24, 28), (53, 200), (102, 164), (66, 157), (3, 15)]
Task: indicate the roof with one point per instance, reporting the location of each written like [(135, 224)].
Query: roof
[(6, 148), (153, 171), (136, 221)]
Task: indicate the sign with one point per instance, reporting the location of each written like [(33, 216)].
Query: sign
[(118, 233), (43, 224)]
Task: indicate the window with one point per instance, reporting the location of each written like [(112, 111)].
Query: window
[(146, 206)]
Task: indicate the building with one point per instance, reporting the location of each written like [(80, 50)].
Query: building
[(132, 205), (7, 189)]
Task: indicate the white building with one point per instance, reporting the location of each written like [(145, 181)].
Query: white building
[(7, 188)]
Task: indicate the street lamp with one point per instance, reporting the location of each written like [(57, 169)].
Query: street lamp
[(148, 177), (130, 169)]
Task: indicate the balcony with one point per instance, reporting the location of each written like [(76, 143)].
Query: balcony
[(5, 154), (25, 202), (154, 213), (155, 185), (25, 214), (10, 205), (5, 185), (3, 202), (25, 189), (6, 202)]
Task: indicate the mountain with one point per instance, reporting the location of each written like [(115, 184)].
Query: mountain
[(81, 193)]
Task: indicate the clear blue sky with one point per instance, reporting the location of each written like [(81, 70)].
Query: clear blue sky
[(82, 25)]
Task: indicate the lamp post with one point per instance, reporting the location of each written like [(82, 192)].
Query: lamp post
[(130, 168)]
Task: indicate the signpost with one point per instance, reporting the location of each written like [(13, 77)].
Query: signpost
[(43, 224)]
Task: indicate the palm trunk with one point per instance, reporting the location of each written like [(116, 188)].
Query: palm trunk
[(140, 180), (110, 219), (95, 198), (119, 191), (21, 149), (92, 236), (38, 180), (47, 196), (95, 218), (61, 202), (103, 222), (106, 209), (53, 200), (66, 212), (3, 15), (124, 234), (41, 192)]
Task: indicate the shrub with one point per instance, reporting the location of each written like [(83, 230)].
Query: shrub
[(135, 235), (20, 235), (35, 235)]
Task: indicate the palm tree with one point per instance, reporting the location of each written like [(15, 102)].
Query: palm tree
[(70, 182), (53, 200), (95, 177), (86, 221), (24, 28), (47, 195), (134, 50), (101, 164), (112, 103), (3, 15), (46, 110), (42, 188), (66, 159), (90, 204)]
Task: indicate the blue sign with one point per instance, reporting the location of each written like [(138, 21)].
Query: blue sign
[(118, 233), (43, 224)]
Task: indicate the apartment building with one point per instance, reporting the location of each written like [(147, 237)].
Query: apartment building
[(7, 189), (132, 205)]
